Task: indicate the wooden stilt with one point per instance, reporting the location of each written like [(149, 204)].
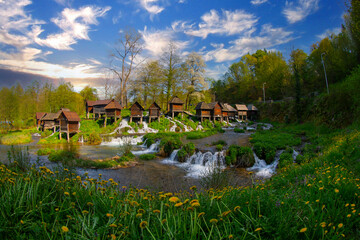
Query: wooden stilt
[(130, 119), (105, 120), (68, 136)]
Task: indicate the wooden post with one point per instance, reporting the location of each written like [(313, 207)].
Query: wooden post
[(68, 136), (159, 118), (130, 119), (173, 115), (141, 118), (105, 121)]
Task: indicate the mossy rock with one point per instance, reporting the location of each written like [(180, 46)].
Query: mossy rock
[(240, 156)]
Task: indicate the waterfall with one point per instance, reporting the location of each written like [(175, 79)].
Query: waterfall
[(119, 141), (199, 127), (264, 170), (295, 154), (199, 163), (81, 139), (152, 149), (123, 124), (146, 129)]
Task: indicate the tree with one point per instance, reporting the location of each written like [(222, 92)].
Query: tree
[(171, 62), (353, 24), (194, 68), (123, 59), (89, 93)]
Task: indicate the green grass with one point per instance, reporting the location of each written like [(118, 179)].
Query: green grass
[(147, 157), (14, 138)]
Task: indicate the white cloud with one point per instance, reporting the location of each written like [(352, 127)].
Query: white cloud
[(75, 25), (117, 17), (216, 71), (297, 12), (151, 7), (267, 38), (328, 33), (156, 41), (258, 2), (226, 23)]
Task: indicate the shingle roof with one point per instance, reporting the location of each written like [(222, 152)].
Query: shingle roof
[(230, 108), (176, 100), (98, 102), (50, 117), (251, 107), (223, 107), (212, 105), (113, 105), (139, 105), (154, 106), (72, 116), (39, 115), (202, 105), (241, 107)]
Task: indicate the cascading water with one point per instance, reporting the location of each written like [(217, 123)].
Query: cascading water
[(123, 124), (152, 149), (120, 141), (199, 163), (294, 155), (264, 170), (146, 129)]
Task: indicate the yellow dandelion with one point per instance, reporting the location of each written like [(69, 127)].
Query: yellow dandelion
[(201, 214), (349, 215), (190, 209), (113, 236), (143, 224), (236, 208), (141, 211), (231, 236), (21, 221), (336, 190), (213, 221), (113, 225), (258, 229), (195, 204), (303, 230), (179, 204), (65, 229), (163, 221), (85, 212), (323, 224), (90, 204), (156, 211), (67, 193), (109, 215), (193, 188), (340, 225), (139, 215), (307, 202), (174, 199), (224, 214)]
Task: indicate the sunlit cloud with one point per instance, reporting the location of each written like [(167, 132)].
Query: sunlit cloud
[(299, 11), (225, 23), (151, 6), (329, 32), (258, 2)]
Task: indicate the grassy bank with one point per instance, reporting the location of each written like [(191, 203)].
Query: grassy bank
[(17, 137), (318, 199)]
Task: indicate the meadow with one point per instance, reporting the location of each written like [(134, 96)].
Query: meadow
[(318, 199)]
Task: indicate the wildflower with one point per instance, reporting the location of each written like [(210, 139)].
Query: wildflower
[(213, 221), (163, 221), (340, 225), (90, 204), (349, 215), (303, 230), (322, 188), (307, 202), (179, 204), (56, 209), (224, 214), (65, 229), (258, 229), (74, 193), (113, 225), (201, 214), (336, 190), (21, 221), (85, 212), (236, 208), (156, 211), (113, 236), (141, 211), (139, 215), (174, 199), (109, 215), (193, 188), (231, 236), (195, 204), (323, 224), (67, 193), (190, 209), (143, 224)]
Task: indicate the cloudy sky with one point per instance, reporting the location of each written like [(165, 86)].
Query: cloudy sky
[(72, 40)]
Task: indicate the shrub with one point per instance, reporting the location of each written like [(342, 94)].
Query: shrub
[(45, 151), (147, 157), (46, 133), (94, 138), (67, 158), (240, 156), (265, 151), (214, 177), (181, 155), (285, 160), (169, 144), (239, 130), (219, 147), (16, 138), (186, 151)]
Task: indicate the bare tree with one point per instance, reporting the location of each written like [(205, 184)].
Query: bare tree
[(123, 59)]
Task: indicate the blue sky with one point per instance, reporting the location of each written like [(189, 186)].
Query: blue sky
[(72, 40)]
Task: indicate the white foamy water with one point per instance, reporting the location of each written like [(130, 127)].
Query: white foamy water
[(267, 126), (199, 127), (264, 170), (251, 128), (294, 155), (154, 148), (199, 164), (119, 141), (146, 129), (123, 124)]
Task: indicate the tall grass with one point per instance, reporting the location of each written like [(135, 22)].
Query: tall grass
[(15, 138)]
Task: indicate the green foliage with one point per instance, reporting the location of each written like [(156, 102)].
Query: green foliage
[(276, 138), (265, 151), (185, 152), (219, 142), (200, 134), (170, 143), (240, 156), (215, 178), (19, 158), (162, 126), (13, 138), (125, 113), (45, 151), (46, 133), (94, 138), (147, 157), (54, 139), (239, 130), (219, 147), (206, 124), (300, 159), (285, 160)]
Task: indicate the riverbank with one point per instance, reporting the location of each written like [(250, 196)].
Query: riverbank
[(316, 199)]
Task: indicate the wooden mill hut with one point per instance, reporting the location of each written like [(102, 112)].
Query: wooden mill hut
[(203, 110), (96, 107), (112, 110), (154, 111), (232, 111), (69, 123), (215, 111), (136, 111), (176, 106), (224, 112), (38, 116), (241, 111), (252, 112), (49, 121)]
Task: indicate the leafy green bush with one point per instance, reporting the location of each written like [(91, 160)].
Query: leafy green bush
[(240, 156), (186, 151), (68, 158), (265, 151), (170, 143), (181, 155), (162, 126), (147, 157), (45, 151), (46, 133), (285, 160), (239, 130), (219, 147), (94, 138)]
